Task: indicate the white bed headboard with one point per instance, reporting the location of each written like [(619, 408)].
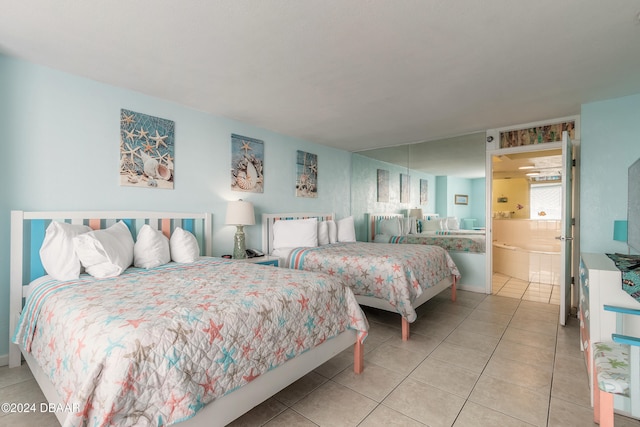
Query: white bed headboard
[(28, 231), (372, 220), (269, 219)]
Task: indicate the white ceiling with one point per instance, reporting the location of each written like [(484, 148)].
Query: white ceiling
[(357, 74)]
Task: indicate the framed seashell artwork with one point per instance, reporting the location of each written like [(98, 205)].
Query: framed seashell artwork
[(306, 174), (147, 146), (247, 161)]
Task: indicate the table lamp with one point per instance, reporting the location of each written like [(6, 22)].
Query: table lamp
[(620, 230), (415, 213), (240, 213)]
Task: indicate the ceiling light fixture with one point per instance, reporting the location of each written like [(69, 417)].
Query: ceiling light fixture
[(532, 174), (526, 167)]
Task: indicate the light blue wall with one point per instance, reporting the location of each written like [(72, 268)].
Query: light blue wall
[(59, 135), (477, 198), (610, 132), (364, 191), (448, 186), (442, 194)]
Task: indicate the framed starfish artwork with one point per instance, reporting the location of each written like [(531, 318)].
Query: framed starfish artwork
[(147, 145), (383, 185), (424, 191), (247, 161), (405, 180), (306, 174)]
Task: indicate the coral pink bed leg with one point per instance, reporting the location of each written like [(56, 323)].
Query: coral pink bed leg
[(606, 408), (405, 330), (358, 357), (596, 398), (453, 289)]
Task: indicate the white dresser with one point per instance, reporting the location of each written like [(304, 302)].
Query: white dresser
[(600, 284)]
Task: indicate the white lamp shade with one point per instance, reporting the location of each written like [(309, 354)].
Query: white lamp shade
[(415, 213), (240, 213)]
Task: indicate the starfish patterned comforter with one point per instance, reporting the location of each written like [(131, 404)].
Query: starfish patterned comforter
[(152, 347), (395, 273), (456, 243)]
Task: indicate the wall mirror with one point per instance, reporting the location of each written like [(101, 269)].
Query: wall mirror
[(432, 173)]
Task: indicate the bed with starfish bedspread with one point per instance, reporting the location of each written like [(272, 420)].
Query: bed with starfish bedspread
[(158, 346), (392, 277)]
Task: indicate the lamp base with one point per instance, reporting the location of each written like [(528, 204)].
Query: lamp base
[(239, 248)]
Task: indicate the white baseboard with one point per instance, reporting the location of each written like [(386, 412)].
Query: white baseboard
[(4, 359)]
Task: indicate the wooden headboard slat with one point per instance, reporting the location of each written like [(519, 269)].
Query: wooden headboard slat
[(38, 228), (187, 224)]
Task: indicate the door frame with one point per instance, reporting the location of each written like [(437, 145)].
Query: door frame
[(493, 144)]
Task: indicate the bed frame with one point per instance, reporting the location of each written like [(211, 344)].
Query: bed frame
[(472, 266), (267, 247), (27, 234)]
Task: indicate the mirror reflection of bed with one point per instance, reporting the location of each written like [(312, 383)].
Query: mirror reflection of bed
[(440, 173)]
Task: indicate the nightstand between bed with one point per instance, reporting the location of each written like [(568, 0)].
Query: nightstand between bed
[(263, 260)]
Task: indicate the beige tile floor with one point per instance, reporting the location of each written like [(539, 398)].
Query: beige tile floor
[(484, 360), (506, 286)]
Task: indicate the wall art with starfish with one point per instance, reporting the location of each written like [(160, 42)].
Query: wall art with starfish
[(307, 174), (147, 145), (247, 162)]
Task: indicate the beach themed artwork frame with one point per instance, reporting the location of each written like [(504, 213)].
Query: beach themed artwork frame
[(383, 186), (537, 134), (405, 185), (247, 164), (147, 146), (306, 174), (461, 199), (424, 191)]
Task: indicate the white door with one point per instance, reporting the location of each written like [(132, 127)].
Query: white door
[(566, 238)]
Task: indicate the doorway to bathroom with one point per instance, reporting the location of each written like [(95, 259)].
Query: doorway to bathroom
[(530, 227), (526, 218)]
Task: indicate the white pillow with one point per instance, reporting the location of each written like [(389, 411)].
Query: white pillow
[(323, 233), (105, 253), (57, 253), (333, 231), (409, 226), (432, 224), (346, 230), (151, 248), (184, 246), (382, 238), (390, 226), (452, 223), (295, 233)]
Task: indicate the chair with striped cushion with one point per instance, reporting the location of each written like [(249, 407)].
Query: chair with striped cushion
[(616, 372)]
